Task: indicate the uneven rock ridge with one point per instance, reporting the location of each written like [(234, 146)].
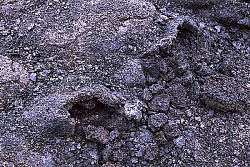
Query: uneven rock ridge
[(117, 83)]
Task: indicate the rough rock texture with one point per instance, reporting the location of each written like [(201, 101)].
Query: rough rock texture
[(197, 4), (225, 93), (53, 114), (133, 110), (14, 78), (117, 83), (160, 103), (178, 95), (157, 121), (96, 133)]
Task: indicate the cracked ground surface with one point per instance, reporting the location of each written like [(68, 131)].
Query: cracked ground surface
[(117, 83)]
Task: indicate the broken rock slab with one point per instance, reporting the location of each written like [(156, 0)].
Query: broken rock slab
[(50, 116), (98, 21), (225, 93), (12, 71)]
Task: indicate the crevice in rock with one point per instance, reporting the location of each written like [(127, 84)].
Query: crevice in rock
[(95, 120), (186, 31), (98, 123), (91, 112)]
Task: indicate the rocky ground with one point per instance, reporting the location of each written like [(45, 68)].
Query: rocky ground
[(117, 83)]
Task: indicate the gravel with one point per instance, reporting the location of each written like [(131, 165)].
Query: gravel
[(117, 83)]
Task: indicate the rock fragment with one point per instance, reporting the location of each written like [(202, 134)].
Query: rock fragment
[(171, 131), (157, 121), (151, 151), (109, 164), (195, 91), (160, 103), (226, 17), (12, 71), (96, 133), (178, 95), (197, 4), (156, 88), (225, 93), (33, 77), (150, 67), (132, 73), (147, 95), (133, 110), (51, 115), (180, 141)]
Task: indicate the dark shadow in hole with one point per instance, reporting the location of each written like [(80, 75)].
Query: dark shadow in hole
[(95, 121), (91, 112), (187, 31)]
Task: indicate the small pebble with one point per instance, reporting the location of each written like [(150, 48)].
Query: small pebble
[(12, 128), (198, 119), (202, 25), (180, 141), (78, 146), (218, 28), (33, 77), (58, 141), (134, 160), (31, 26)]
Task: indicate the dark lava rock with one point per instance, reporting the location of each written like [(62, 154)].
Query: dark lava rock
[(52, 117), (114, 134), (144, 136), (160, 103), (195, 91), (160, 138), (109, 164), (197, 4), (151, 151), (147, 95), (63, 119), (180, 141), (13, 78), (156, 88), (132, 73), (226, 67), (157, 121), (225, 93), (90, 154), (170, 75), (204, 70), (150, 67), (96, 133), (240, 17), (171, 131), (178, 95), (187, 79), (119, 122), (182, 65)]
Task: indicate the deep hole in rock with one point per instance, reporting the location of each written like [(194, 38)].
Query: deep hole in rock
[(98, 123), (91, 112), (95, 120), (186, 31)]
